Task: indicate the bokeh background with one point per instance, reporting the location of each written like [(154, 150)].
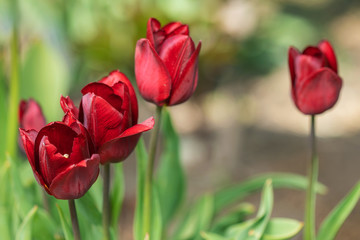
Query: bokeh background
[(241, 120)]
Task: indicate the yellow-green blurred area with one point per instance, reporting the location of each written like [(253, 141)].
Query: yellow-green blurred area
[(241, 119)]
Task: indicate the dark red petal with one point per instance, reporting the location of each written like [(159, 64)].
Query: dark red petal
[(51, 161), (185, 85), (318, 92), (120, 148), (152, 77), (76, 180), (68, 105), (175, 52), (306, 65), (313, 51), (153, 32), (170, 27), (293, 53), (101, 120), (104, 91), (117, 76), (59, 134), (182, 30), (328, 51), (31, 115)]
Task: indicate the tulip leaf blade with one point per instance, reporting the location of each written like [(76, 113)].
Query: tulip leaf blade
[(170, 178), (117, 194), (282, 229), (24, 231), (64, 225), (332, 223), (141, 161), (226, 196), (197, 219)]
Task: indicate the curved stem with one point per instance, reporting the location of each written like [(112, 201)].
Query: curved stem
[(74, 220), (309, 228), (106, 201), (149, 173)]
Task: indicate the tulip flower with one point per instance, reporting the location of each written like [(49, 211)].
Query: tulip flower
[(31, 115), (62, 157), (109, 111), (166, 63), (314, 75)]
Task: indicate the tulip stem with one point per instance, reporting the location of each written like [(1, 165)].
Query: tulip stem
[(309, 227), (106, 201), (74, 220), (149, 174)]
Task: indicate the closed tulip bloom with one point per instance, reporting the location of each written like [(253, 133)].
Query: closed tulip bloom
[(109, 111), (31, 115), (315, 83), (62, 157), (166, 63)]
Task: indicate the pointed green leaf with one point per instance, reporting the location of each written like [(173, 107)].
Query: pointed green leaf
[(156, 219), (24, 231), (227, 196), (170, 178), (332, 223), (64, 224), (282, 229), (212, 236), (141, 161), (117, 194)]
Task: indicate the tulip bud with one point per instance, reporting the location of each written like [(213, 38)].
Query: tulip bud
[(315, 83), (61, 157), (166, 63), (31, 115)]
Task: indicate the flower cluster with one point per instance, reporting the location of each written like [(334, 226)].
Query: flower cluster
[(65, 155)]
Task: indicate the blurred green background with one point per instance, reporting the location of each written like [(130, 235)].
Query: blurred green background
[(241, 120)]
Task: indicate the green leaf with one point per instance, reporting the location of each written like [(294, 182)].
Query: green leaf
[(198, 219), (156, 218), (117, 194), (282, 229), (235, 193), (45, 77), (253, 229), (234, 216), (64, 224), (212, 236), (3, 109), (337, 216), (43, 225), (170, 178), (141, 160), (88, 211), (24, 231)]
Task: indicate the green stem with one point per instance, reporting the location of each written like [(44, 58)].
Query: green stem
[(12, 121), (309, 228), (149, 173), (106, 201), (74, 220)]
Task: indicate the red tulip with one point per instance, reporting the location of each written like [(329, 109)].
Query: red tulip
[(314, 78), (166, 63), (68, 105), (61, 157), (31, 115), (109, 111)]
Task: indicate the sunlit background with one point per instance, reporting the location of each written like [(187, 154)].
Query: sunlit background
[(241, 120)]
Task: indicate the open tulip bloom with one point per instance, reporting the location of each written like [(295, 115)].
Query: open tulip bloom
[(166, 63), (62, 157), (315, 83)]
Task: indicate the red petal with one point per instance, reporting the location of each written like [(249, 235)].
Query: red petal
[(120, 148), (68, 105), (175, 52), (328, 51), (31, 115), (104, 91), (153, 32), (306, 65), (152, 76), (101, 120), (185, 85), (293, 53), (318, 92), (76, 180)]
